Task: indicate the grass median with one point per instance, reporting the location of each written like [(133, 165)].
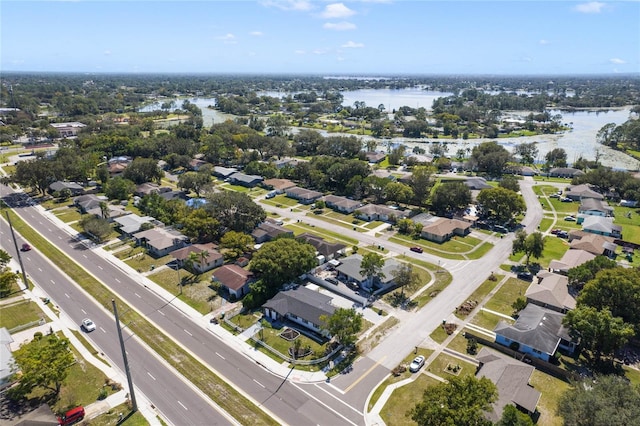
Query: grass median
[(213, 386)]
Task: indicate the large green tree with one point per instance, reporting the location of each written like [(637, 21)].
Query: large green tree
[(598, 331), (421, 182), (371, 266), (194, 181), (8, 278), (344, 325), (450, 197), (200, 225), (511, 416), (460, 401), (98, 227), (501, 204), (580, 275), (235, 244), (236, 211), (557, 157), (490, 157), (143, 170), (607, 400), (283, 260), (119, 188), (44, 362)]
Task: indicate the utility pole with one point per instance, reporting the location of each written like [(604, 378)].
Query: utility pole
[(134, 405), (15, 243)]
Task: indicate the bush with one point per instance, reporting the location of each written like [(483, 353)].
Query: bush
[(102, 394)]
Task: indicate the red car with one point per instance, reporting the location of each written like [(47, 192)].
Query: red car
[(25, 247), (416, 249)]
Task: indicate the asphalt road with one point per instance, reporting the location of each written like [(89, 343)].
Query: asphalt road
[(290, 403)]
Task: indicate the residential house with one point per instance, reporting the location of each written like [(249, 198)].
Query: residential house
[(412, 158), (6, 358), (242, 179), (595, 207), (593, 243), (207, 257), (375, 157), (173, 195), (526, 171), (324, 248), (476, 183), (68, 130), (537, 331), (303, 195), (131, 223), (283, 162), (371, 212), (84, 203), (195, 164), (224, 172), (117, 165), (73, 187), (268, 231), (565, 172), (601, 226), (111, 212), (570, 259), (161, 241), (551, 291), (341, 204), (150, 188), (511, 378), (278, 185), (349, 271), (578, 192), (443, 229), (234, 279), (301, 306)]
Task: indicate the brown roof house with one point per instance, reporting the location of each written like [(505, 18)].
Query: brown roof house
[(571, 259), (324, 248), (593, 243), (268, 231), (552, 292), (278, 185), (305, 196), (206, 257), (161, 241), (302, 306), (341, 204), (233, 278), (511, 377), (442, 229)]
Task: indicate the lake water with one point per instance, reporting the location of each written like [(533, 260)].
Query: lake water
[(579, 141)]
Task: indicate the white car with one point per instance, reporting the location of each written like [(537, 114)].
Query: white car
[(88, 325), (570, 218), (416, 364)]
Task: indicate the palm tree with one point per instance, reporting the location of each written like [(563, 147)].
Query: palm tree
[(104, 210), (203, 255), (192, 260)]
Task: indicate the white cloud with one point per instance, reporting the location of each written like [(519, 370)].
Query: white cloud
[(591, 7), (107, 52), (320, 51), (617, 61), (336, 10), (543, 42), (339, 26), (299, 52), (352, 45), (227, 38), (295, 5), (256, 33)]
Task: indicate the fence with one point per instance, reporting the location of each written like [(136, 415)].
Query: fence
[(297, 361), (27, 326)]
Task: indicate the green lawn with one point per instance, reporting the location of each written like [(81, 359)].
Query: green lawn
[(197, 290), (545, 224), (111, 416), (403, 399), (280, 201), (299, 228), (552, 179), (486, 320), (20, 313), (480, 251), (439, 335), (272, 338), (338, 222), (132, 250), (55, 203), (554, 249), (565, 208), (452, 249), (146, 263), (551, 388), (442, 361), (482, 291), (506, 295), (630, 225), (68, 215)]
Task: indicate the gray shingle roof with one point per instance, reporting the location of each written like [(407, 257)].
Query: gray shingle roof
[(303, 303)]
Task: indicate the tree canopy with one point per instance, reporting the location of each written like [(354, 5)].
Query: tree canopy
[(460, 401), (344, 325), (371, 266), (607, 400), (579, 275), (450, 197), (500, 203), (235, 211), (283, 260), (490, 157)]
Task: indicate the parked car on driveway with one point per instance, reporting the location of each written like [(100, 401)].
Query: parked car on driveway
[(331, 280), (416, 364), (570, 218), (526, 276)]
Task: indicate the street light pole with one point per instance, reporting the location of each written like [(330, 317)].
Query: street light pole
[(134, 405)]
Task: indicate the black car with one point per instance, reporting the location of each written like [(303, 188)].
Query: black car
[(331, 280), (527, 276)]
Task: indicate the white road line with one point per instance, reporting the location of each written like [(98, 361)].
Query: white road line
[(103, 330), (67, 296), (340, 400), (161, 313), (220, 355), (322, 403), (188, 333), (83, 311), (151, 375), (85, 256), (59, 237), (260, 384), (117, 280), (182, 405), (137, 295), (101, 268), (49, 229), (52, 281), (40, 269)]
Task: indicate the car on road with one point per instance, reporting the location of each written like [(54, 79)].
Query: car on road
[(416, 364), (570, 218), (566, 200), (88, 325), (416, 249), (25, 247)]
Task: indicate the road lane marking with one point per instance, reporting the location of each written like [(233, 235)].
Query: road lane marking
[(321, 387), (67, 296), (103, 330), (260, 384), (151, 375), (52, 281), (322, 403), (85, 256), (117, 280), (101, 268), (140, 297), (40, 269), (181, 404), (220, 356), (161, 313), (188, 333), (59, 237), (83, 311), (352, 385)]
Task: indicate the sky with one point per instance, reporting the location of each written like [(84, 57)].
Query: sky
[(365, 37)]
